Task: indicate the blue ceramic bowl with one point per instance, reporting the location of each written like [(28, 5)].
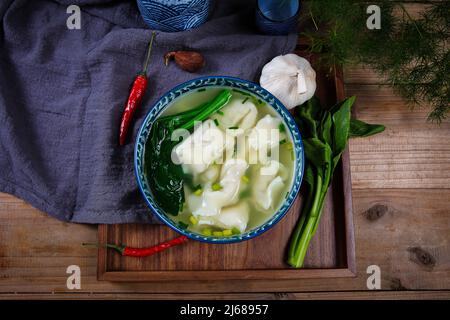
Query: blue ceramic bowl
[(219, 81), (174, 15)]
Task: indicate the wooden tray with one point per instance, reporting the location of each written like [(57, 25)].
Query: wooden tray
[(331, 254)]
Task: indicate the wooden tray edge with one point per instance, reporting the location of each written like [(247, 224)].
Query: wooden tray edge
[(155, 276), (264, 274), (102, 262), (347, 185)]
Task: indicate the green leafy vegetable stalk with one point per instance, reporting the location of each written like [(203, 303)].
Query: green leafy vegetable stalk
[(325, 135), (164, 176)]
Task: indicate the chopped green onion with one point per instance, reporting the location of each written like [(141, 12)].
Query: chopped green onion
[(244, 194), (236, 231), (207, 232), (198, 192), (257, 102), (227, 232), (183, 225), (220, 112), (282, 128), (216, 187), (245, 179), (216, 122), (245, 100), (193, 220), (218, 234), (233, 128), (290, 146), (283, 141)]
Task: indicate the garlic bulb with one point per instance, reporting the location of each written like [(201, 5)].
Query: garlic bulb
[(290, 78)]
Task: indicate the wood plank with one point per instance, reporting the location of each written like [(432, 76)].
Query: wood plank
[(405, 233), (353, 295), (413, 218), (358, 74), (411, 153)]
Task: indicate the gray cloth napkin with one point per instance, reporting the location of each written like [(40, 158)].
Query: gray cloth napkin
[(62, 93)]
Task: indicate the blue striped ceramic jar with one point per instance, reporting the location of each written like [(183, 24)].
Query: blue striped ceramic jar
[(174, 15)]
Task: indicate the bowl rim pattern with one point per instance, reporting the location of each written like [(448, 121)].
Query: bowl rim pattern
[(234, 83)]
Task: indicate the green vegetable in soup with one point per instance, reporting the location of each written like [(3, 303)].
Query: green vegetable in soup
[(325, 135), (216, 104), (165, 177)]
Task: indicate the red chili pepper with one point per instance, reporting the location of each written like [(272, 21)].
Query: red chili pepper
[(135, 98), (142, 252)]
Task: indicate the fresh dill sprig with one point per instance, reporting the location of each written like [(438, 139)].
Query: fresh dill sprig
[(413, 54)]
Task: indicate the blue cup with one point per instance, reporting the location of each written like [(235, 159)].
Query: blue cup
[(277, 17), (174, 15)]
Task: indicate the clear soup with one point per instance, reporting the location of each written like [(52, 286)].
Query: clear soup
[(246, 186)]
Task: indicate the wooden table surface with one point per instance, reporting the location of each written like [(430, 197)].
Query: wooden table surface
[(401, 200)]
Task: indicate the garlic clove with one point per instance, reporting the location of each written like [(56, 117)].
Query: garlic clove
[(301, 82), (190, 61)]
